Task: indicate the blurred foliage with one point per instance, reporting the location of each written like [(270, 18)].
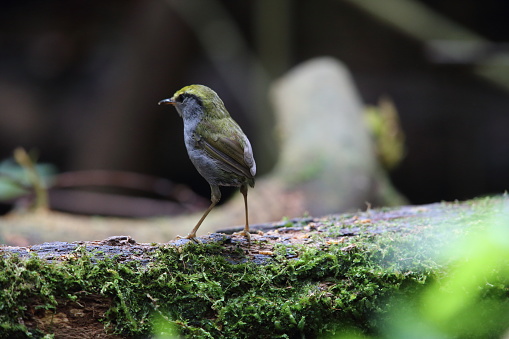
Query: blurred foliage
[(20, 175), (383, 122), (470, 301)]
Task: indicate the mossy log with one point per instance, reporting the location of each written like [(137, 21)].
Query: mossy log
[(303, 277)]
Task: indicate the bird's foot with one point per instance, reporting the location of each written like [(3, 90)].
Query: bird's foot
[(190, 236), (245, 234)]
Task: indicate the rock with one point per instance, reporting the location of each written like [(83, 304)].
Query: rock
[(326, 149)]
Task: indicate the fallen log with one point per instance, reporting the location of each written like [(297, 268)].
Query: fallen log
[(303, 277)]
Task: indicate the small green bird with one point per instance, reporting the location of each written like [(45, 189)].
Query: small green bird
[(215, 143)]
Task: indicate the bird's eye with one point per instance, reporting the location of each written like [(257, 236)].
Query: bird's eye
[(182, 97)]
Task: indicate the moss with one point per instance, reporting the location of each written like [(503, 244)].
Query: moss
[(197, 290)]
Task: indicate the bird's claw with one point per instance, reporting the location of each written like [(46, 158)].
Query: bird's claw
[(245, 234), (189, 236)]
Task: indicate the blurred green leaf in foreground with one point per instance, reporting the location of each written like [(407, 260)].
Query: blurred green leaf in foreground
[(470, 300)]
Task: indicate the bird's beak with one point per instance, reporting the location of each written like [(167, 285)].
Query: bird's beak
[(169, 101)]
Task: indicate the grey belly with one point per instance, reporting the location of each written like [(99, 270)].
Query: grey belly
[(213, 171)]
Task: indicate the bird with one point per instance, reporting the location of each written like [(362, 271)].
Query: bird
[(216, 145)]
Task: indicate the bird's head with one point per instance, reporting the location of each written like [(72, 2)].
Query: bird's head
[(197, 101)]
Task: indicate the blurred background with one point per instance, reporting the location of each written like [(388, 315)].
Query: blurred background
[(80, 82)]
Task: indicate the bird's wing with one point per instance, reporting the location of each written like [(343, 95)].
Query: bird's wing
[(229, 147)]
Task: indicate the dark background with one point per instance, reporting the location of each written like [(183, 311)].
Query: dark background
[(80, 82)]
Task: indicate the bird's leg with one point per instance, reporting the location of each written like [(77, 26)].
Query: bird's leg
[(243, 190), (215, 196)]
